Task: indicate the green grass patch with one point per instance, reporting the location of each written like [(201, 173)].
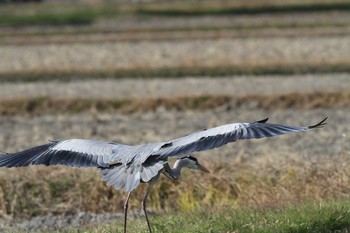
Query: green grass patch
[(75, 16), (53, 14), (325, 216), (82, 17)]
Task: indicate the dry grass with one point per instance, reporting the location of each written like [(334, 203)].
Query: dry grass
[(259, 183), (227, 7), (53, 14), (234, 4), (44, 105), (174, 34), (270, 67)]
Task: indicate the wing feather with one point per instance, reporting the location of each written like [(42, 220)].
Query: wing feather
[(219, 136), (74, 152)]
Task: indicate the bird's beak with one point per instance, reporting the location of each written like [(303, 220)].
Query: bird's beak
[(202, 168)]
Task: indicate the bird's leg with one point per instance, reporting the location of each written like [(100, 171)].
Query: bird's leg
[(151, 184), (145, 208), (126, 205)]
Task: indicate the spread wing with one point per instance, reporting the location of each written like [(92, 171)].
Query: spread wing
[(74, 152), (219, 136)]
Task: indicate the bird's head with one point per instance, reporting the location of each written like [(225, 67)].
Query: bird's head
[(192, 163)]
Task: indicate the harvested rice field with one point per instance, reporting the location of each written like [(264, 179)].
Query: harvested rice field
[(149, 74)]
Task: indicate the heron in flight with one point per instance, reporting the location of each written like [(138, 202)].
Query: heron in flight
[(125, 166)]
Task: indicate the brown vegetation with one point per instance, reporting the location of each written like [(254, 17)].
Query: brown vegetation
[(258, 183), (44, 105), (282, 172)]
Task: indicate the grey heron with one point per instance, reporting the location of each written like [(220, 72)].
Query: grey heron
[(125, 166)]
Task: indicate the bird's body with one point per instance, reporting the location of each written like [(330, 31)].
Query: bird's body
[(125, 166)]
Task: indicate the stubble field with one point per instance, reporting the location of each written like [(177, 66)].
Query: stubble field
[(60, 82)]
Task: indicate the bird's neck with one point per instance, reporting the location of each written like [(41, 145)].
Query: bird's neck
[(175, 172)]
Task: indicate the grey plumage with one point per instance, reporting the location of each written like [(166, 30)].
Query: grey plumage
[(221, 135), (74, 152), (140, 162)]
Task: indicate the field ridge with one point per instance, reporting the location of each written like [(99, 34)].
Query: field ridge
[(44, 105)]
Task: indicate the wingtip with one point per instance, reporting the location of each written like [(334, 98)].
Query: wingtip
[(318, 125), (262, 121)]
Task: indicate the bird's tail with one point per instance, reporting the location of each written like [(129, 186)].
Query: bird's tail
[(122, 176), (128, 176)]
